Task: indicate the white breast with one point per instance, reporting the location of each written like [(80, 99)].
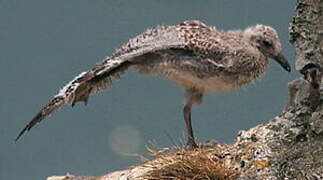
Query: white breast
[(211, 84), (187, 79)]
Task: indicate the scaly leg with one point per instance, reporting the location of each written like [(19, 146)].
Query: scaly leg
[(192, 97), (189, 130)]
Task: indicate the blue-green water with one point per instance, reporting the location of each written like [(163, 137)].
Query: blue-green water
[(44, 44)]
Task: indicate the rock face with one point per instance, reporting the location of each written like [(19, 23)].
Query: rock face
[(291, 145), (288, 147), (306, 33)]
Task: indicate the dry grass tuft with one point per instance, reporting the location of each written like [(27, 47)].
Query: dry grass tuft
[(180, 164)]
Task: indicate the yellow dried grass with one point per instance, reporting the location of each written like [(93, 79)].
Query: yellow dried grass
[(180, 164)]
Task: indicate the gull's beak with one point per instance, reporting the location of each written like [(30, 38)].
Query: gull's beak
[(283, 62)]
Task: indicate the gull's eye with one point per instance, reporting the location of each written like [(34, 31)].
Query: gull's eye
[(267, 44)]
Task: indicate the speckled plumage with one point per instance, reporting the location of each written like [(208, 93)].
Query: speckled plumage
[(192, 54)]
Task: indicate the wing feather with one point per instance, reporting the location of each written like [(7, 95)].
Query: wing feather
[(100, 77)]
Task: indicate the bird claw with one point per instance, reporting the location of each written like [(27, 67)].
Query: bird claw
[(191, 145)]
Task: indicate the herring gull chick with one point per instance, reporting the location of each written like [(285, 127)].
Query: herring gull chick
[(196, 56)]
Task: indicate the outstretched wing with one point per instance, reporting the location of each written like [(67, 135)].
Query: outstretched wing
[(100, 77)]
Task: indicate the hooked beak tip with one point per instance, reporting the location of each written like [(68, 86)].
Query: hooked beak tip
[(287, 68), (283, 62)]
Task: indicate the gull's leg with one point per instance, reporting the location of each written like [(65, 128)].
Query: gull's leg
[(192, 97), (190, 144)]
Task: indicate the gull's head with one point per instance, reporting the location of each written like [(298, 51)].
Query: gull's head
[(266, 39)]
